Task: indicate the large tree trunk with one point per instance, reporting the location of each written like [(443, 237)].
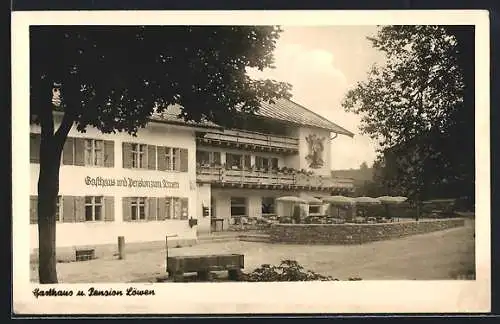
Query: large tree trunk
[(48, 189)]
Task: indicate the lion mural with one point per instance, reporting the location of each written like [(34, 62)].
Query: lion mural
[(316, 148)]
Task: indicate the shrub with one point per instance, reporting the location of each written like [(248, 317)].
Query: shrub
[(287, 270)]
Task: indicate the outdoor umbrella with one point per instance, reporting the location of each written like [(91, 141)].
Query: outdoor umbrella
[(390, 200), (311, 200), (339, 201), (366, 201), (292, 199)]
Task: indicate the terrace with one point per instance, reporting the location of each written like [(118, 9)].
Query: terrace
[(287, 179), (249, 141)]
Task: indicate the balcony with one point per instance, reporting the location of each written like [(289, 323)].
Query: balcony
[(249, 140), (222, 177)]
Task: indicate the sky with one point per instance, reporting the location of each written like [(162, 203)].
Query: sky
[(322, 64)]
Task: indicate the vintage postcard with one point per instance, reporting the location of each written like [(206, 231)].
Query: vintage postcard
[(250, 162)]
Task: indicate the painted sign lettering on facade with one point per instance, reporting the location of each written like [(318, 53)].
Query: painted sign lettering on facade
[(129, 182)]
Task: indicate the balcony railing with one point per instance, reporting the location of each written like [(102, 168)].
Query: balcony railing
[(262, 179), (249, 139)]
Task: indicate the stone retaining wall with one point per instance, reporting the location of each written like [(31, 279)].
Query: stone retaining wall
[(355, 233)]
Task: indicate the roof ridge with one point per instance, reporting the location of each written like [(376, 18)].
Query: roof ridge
[(319, 116)]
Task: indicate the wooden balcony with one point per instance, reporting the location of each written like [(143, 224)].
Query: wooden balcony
[(249, 140), (271, 180)]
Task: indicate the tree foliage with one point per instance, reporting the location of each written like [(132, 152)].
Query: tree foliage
[(417, 106), (113, 78)]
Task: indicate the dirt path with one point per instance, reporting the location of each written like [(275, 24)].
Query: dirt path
[(432, 256)]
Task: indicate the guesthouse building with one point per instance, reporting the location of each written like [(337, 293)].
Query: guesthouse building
[(184, 179)]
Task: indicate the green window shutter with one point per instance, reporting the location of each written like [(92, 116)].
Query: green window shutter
[(109, 154), (161, 208), (33, 209), (127, 155), (80, 209), (127, 214), (151, 208), (109, 208), (183, 160), (34, 148), (68, 150), (68, 209), (184, 208), (151, 150), (79, 151), (162, 163)]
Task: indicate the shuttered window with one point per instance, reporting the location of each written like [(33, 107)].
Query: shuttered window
[(138, 208), (71, 209), (139, 156), (94, 208), (34, 209), (88, 152), (184, 208), (94, 152), (174, 159), (172, 208)]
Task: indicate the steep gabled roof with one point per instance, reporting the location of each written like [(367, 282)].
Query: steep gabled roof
[(289, 111), (282, 110)]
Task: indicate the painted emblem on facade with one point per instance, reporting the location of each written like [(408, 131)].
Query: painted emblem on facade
[(316, 148)]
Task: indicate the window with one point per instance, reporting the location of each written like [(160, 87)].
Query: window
[(266, 163), (215, 158), (59, 211), (274, 163), (94, 152), (238, 206), (173, 208), (93, 208), (205, 158), (268, 205), (138, 208), (139, 156), (233, 161), (172, 159), (237, 161), (314, 209)]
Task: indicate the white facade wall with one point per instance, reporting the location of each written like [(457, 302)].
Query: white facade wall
[(72, 183)]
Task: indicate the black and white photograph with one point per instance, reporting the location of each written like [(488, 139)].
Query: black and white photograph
[(193, 161)]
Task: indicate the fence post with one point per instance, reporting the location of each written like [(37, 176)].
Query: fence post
[(121, 247)]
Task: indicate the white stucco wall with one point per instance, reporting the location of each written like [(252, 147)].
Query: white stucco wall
[(72, 182), (203, 199)]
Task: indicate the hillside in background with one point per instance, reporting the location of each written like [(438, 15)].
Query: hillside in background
[(360, 176)]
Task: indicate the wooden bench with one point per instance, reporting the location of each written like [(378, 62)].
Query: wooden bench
[(84, 254), (202, 264)]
